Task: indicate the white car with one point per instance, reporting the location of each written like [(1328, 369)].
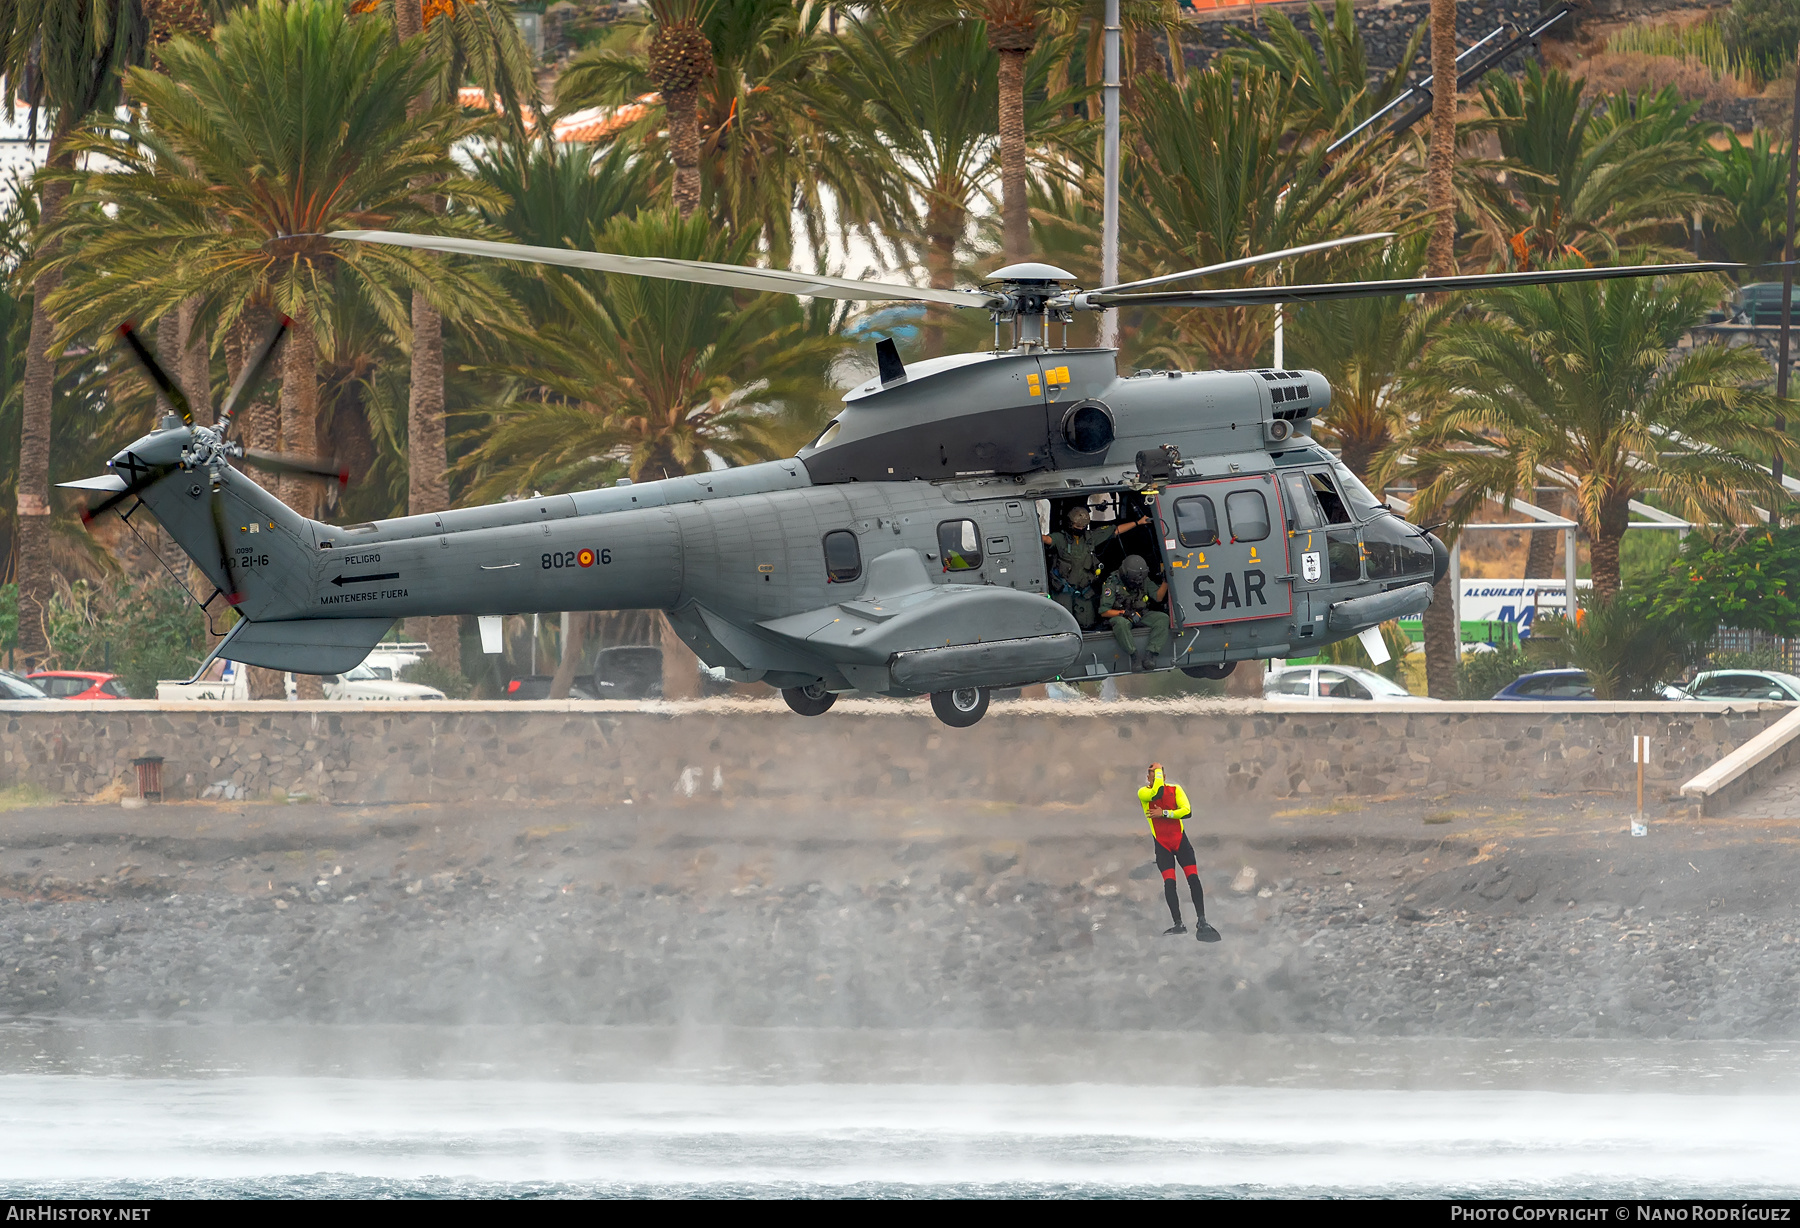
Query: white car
[(1332, 682), (1724, 685), (365, 682)]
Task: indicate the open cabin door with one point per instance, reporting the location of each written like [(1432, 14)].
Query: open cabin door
[(1225, 549)]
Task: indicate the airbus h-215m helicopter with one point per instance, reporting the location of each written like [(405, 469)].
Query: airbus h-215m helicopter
[(900, 553)]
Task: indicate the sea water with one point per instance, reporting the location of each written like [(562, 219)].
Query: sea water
[(129, 1111)]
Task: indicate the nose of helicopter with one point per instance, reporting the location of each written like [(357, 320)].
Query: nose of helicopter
[(1440, 559)]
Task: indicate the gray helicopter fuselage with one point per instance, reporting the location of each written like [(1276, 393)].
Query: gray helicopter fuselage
[(898, 554)]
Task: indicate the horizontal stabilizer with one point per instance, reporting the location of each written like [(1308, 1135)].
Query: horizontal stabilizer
[(112, 483), (304, 645)]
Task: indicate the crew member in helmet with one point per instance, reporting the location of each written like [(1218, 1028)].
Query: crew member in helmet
[(1074, 568), (1127, 602), (1165, 806)]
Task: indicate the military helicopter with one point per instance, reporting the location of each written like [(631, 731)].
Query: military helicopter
[(900, 552)]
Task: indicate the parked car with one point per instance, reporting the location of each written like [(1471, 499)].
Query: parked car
[(1549, 684), (1727, 684), (628, 671), (14, 687), (364, 683), (537, 686), (1332, 682), (225, 680), (79, 684)]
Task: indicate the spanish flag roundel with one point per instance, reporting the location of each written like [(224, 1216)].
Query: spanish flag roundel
[(585, 558)]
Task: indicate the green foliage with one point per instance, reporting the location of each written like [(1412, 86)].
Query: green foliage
[(645, 377), (1764, 657), (1704, 43), (1753, 179), (9, 617), (1586, 379), (431, 673), (1600, 174), (1627, 646), (140, 632), (1484, 673), (289, 124), (1751, 582), (1763, 32)]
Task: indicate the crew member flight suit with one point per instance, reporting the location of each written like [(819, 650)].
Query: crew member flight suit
[(1142, 608), (1075, 570)]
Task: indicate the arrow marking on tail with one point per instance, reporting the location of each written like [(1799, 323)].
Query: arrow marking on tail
[(340, 581)]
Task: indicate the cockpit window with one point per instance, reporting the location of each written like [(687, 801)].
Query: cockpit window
[(1196, 523), (1303, 509), (1248, 513), (1360, 499), (1329, 500)]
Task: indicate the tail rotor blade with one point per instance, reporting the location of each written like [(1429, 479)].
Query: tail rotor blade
[(118, 497), (158, 376), (252, 374), (315, 466)]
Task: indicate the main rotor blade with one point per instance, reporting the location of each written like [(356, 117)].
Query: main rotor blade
[(158, 376), (1246, 262), (282, 462), (779, 281), (251, 375), (1260, 296)]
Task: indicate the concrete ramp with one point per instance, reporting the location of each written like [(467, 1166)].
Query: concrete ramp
[(1769, 760)]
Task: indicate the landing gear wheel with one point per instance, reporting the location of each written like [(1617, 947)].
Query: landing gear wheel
[(962, 707), (1215, 671), (812, 700)]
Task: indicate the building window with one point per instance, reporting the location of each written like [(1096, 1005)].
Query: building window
[(843, 557), (1196, 524), (960, 542)]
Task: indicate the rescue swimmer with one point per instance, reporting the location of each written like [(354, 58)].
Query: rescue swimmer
[(1165, 806)]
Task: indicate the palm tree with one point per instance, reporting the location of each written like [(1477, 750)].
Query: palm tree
[(292, 123), (1333, 85), (645, 378), (928, 122), (680, 59), (68, 54), (1369, 348), (1226, 170), (1012, 32), (1580, 385), (764, 154), (1753, 180), (1592, 177)]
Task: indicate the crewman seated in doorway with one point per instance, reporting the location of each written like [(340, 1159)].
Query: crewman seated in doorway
[(1127, 602)]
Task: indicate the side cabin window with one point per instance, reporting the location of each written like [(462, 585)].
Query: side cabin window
[(960, 543), (1248, 513), (1196, 523), (843, 557)]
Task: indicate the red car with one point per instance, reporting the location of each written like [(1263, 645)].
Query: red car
[(80, 684)]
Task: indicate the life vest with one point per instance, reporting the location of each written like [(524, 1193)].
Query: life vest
[(1167, 830)]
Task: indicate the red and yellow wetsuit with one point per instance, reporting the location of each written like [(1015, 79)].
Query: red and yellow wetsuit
[(1172, 846)]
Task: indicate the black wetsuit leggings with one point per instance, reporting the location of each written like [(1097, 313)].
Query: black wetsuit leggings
[(1166, 861)]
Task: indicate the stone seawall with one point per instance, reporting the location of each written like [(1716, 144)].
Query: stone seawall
[(1242, 753)]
